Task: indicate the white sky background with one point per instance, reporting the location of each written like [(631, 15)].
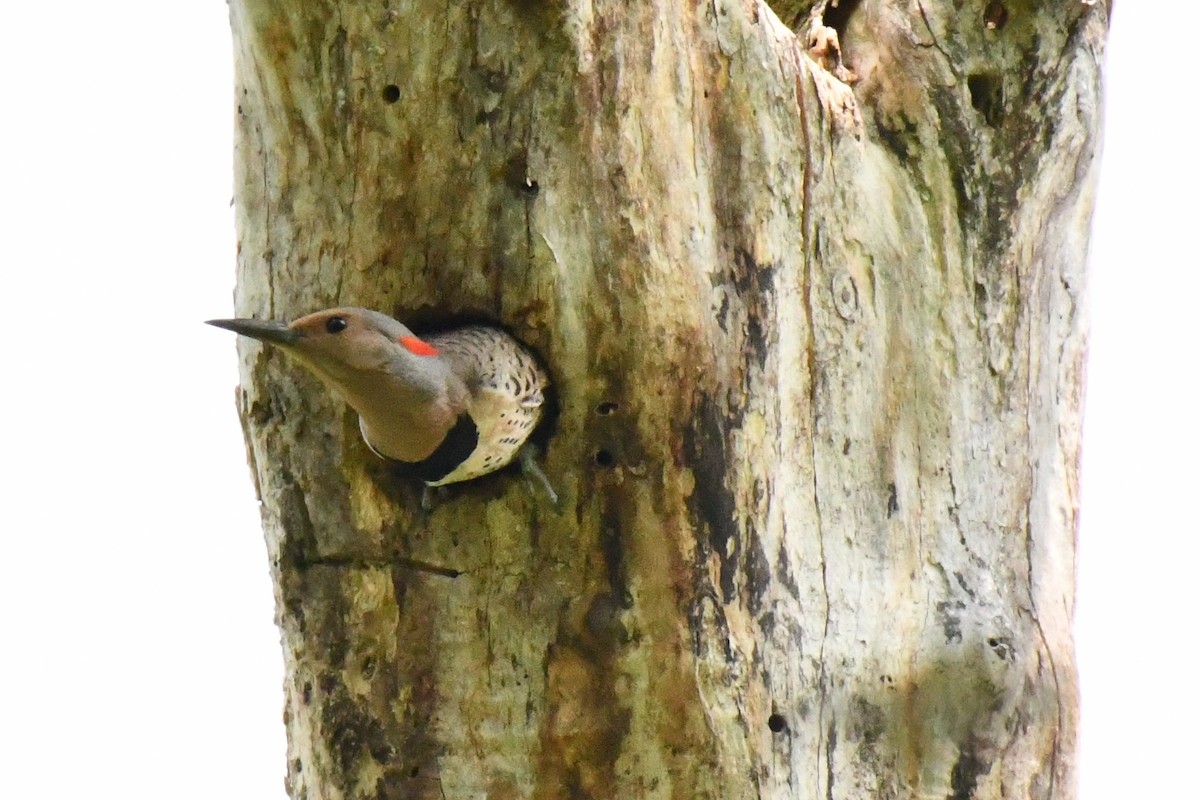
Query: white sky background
[(138, 655)]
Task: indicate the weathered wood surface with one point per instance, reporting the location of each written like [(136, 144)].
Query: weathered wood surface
[(817, 329)]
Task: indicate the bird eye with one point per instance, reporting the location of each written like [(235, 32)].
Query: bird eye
[(335, 324)]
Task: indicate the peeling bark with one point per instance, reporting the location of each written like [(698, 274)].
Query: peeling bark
[(813, 306)]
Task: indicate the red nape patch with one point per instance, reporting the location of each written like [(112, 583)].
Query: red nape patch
[(417, 347)]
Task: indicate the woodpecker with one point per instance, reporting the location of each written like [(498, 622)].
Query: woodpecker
[(453, 406)]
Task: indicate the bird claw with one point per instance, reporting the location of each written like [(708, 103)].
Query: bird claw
[(533, 472)]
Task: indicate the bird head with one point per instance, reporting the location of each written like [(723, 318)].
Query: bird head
[(406, 396), (341, 343)]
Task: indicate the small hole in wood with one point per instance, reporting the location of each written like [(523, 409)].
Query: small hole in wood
[(391, 93), (837, 16), (382, 752), (607, 408), (516, 174), (414, 772), (777, 723), (995, 16), (605, 458), (987, 96)]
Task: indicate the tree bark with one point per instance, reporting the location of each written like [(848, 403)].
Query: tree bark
[(813, 307)]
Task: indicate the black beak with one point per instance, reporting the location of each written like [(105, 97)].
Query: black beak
[(264, 330)]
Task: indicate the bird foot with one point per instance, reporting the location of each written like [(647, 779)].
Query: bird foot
[(427, 495), (533, 472)]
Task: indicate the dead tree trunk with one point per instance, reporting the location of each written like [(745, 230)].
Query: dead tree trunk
[(815, 320)]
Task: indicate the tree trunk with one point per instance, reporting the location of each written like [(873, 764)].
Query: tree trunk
[(815, 320)]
